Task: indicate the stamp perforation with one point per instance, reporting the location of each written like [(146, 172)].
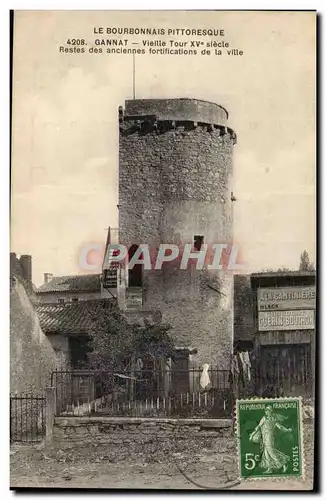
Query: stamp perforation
[(282, 477)]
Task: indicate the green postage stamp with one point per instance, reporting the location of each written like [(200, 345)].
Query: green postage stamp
[(269, 435)]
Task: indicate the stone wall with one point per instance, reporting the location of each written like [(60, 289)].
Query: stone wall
[(175, 182), (21, 268), (176, 109), (243, 309), (140, 434), (60, 345), (32, 358)]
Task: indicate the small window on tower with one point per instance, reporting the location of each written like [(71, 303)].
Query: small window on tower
[(198, 242)]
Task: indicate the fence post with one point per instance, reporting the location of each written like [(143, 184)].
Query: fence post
[(50, 410)]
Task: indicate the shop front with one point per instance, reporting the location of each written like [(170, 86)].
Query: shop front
[(285, 328)]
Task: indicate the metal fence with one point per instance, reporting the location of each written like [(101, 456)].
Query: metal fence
[(27, 418), (145, 393)]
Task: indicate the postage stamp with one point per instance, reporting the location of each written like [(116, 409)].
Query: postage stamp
[(269, 435)]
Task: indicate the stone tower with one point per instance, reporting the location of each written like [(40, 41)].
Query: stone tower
[(175, 182)]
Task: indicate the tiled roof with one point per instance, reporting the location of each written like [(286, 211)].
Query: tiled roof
[(76, 317), (78, 283), (275, 274)]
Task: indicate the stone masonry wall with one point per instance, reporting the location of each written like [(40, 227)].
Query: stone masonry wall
[(60, 345), (174, 109), (138, 434), (175, 182), (32, 358), (177, 177)]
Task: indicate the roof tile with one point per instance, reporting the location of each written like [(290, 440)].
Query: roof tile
[(75, 318), (78, 283)]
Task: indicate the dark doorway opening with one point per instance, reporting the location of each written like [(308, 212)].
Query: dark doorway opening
[(180, 372), (79, 349), (198, 242), (148, 385), (285, 370), (136, 273)]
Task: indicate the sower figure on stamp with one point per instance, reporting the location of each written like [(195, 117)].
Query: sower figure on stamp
[(265, 433)]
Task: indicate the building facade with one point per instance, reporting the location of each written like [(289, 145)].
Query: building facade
[(68, 328), (175, 187), (67, 289), (284, 307), (243, 339)]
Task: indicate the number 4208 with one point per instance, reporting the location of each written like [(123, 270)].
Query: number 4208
[(76, 41)]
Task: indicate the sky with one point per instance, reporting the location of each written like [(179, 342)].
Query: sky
[(65, 130)]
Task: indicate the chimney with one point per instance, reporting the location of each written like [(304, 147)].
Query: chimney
[(26, 266), (47, 277)]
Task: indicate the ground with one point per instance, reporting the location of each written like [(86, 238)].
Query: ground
[(104, 467)]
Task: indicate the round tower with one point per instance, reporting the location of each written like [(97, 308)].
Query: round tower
[(175, 185)]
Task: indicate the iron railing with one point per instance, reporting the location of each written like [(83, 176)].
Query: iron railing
[(27, 418), (144, 393)]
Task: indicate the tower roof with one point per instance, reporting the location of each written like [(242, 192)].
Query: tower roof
[(182, 109)]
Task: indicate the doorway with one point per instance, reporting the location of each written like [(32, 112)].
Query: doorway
[(285, 370), (135, 275), (79, 349)]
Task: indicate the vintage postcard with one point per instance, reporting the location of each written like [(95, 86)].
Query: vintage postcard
[(163, 250)]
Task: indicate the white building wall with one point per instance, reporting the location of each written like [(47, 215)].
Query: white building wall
[(53, 297)]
